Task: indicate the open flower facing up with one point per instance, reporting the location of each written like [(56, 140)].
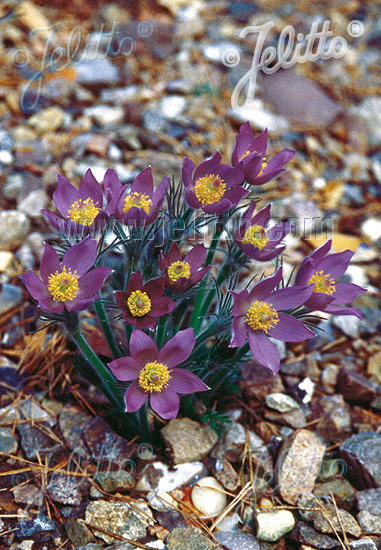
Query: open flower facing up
[(82, 210), (182, 273), (250, 151), (141, 204), (155, 372), (322, 271), (255, 240), (68, 284), (258, 315), (213, 187), (142, 304)]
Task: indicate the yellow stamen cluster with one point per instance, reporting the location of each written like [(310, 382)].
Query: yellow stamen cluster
[(139, 303), (264, 163), (261, 316), (256, 235), (138, 200), (322, 283), (83, 212), (154, 377), (63, 286), (177, 270), (245, 154), (209, 189)]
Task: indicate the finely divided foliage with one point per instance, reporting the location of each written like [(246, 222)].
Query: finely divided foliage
[(173, 306)]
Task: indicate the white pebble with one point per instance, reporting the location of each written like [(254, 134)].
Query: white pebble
[(209, 497)]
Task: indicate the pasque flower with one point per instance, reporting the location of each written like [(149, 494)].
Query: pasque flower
[(182, 273), (155, 372), (68, 284), (255, 240), (82, 210), (140, 204), (258, 314), (251, 153), (142, 304), (213, 187), (322, 271)]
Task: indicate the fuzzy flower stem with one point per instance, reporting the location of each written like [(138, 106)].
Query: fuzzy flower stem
[(111, 389), (106, 328)]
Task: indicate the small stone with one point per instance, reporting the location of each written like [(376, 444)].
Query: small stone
[(105, 115), (115, 481), (233, 442), (362, 454), (47, 120), (6, 158), (237, 541), (188, 538), (96, 71), (356, 388), (295, 419), (34, 441), (158, 476), (104, 444), (72, 422), (41, 525), (329, 377), (229, 523), (335, 423), (13, 186), (209, 497), (273, 525), (348, 324), (65, 490), (306, 450), (305, 534), (89, 546), (172, 106), (340, 488), (6, 140), (362, 544), (369, 500), (10, 376), (370, 523), (187, 440), (371, 229), (281, 402), (78, 533), (374, 366), (15, 227), (118, 518), (8, 442), (28, 494), (369, 112), (345, 521), (33, 203), (226, 475), (161, 501)]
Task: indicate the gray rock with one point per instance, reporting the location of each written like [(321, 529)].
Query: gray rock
[(115, 481), (237, 541), (362, 544), (33, 203), (119, 95), (119, 518), (105, 115), (158, 476), (65, 490), (342, 490), (369, 500), (72, 422), (335, 423), (6, 140), (362, 454), (34, 441), (273, 525), (78, 534), (172, 106), (188, 538), (233, 442), (104, 444), (13, 186), (305, 534), (349, 324), (15, 227), (8, 442), (90, 546), (298, 464), (356, 388), (295, 418), (338, 520), (370, 523), (369, 111), (281, 402), (38, 525), (187, 440), (28, 494), (96, 71), (10, 296)]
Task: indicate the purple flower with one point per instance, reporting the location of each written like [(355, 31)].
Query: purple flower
[(213, 187), (181, 273), (258, 315), (81, 209), (141, 304), (155, 374), (68, 284), (141, 205), (322, 271), (255, 240), (251, 152)]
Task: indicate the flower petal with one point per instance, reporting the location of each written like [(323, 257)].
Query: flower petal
[(36, 288), (196, 257), (89, 188), (177, 349), (92, 281), (143, 183), (187, 170), (125, 368), (185, 382), (162, 306), (81, 256), (142, 347), (289, 297), (64, 196), (262, 289), (241, 302), (207, 166), (263, 350), (166, 403), (338, 310), (79, 305), (239, 332), (289, 329), (135, 397), (335, 264), (346, 292), (50, 263), (154, 288)]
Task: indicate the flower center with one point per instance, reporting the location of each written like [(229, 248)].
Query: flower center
[(245, 154), (260, 316), (177, 270), (256, 235), (264, 163), (139, 303), (63, 286), (209, 189), (138, 200), (83, 212), (322, 283), (154, 377)]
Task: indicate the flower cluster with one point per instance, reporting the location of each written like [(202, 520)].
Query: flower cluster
[(170, 311)]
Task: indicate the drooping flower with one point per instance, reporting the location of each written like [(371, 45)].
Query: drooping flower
[(142, 304), (251, 152), (68, 284), (182, 273), (258, 314), (82, 210), (140, 206), (322, 270), (155, 372), (213, 187), (255, 240)]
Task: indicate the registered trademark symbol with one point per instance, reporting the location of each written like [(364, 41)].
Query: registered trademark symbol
[(355, 28)]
